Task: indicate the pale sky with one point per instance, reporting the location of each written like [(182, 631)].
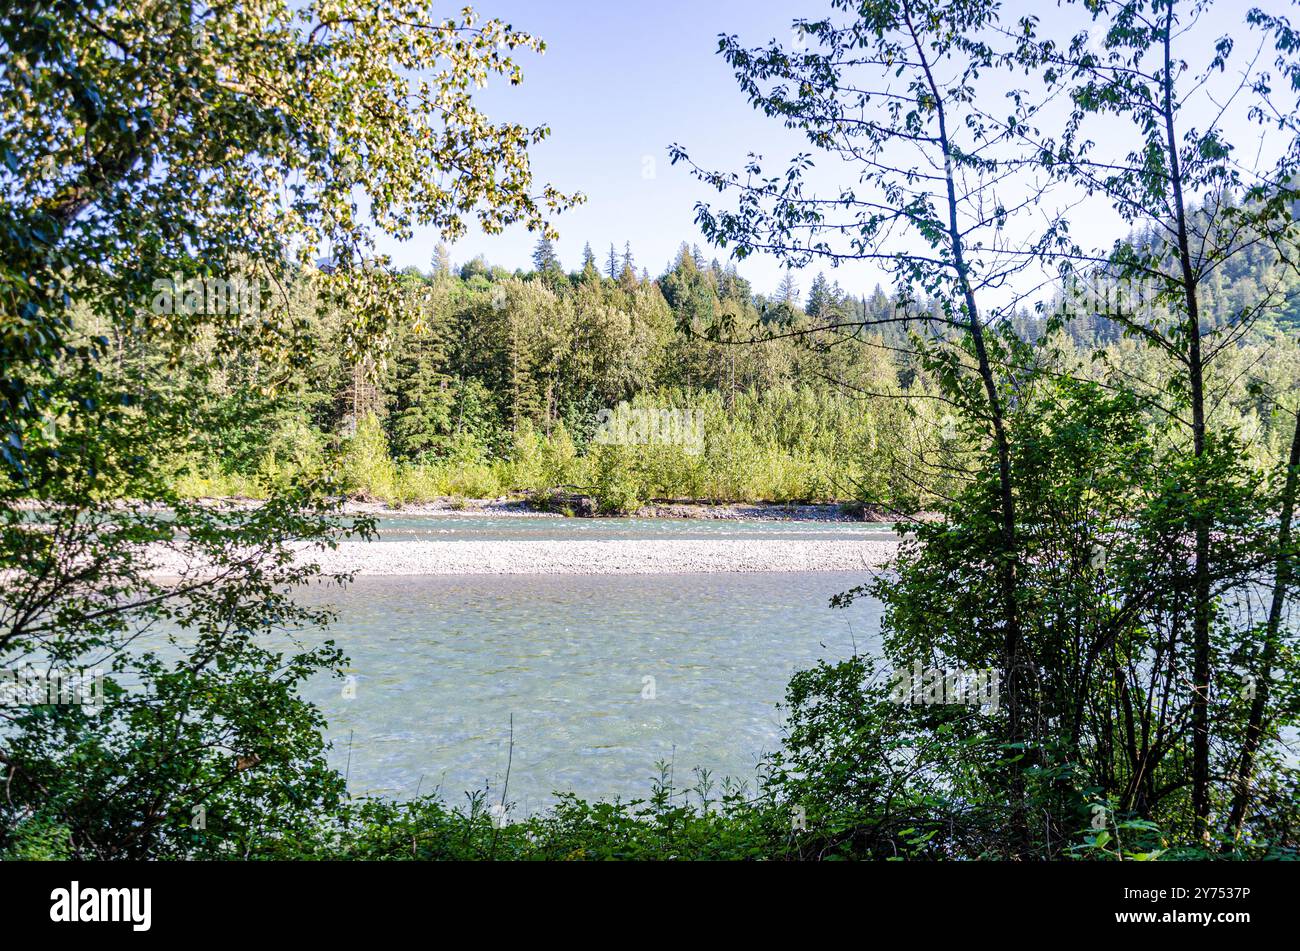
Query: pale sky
[(621, 81)]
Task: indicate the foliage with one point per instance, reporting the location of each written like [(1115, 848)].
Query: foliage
[(153, 156)]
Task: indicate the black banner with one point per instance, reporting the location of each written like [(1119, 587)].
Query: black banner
[(335, 900)]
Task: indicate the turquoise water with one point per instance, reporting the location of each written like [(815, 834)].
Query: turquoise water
[(442, 664)]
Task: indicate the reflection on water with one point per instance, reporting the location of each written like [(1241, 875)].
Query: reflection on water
[(442, 663)]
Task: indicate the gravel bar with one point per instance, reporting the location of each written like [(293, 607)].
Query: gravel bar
[(620, 556)]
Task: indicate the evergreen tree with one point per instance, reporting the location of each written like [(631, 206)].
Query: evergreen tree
[(686, 262), (545, 260), (418, 397), (820, 300), (590, 273), (441, 260), (787, 292)]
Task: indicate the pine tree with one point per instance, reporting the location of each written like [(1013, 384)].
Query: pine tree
[(611, 266), (820, 302), (418, 395), (787, 292), (589, 270), (441, 260), (685, 259), (545, 260)]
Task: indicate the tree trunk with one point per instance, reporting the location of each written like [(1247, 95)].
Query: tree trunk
[(1011, 660), (1201, 526)]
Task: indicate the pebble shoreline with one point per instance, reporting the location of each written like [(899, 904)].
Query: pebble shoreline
[(619, 556), (658, 556), (588, 557)]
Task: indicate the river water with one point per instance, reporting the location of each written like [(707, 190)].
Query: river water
[(603, 675)]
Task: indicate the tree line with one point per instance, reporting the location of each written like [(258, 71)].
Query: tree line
[(494, 381)]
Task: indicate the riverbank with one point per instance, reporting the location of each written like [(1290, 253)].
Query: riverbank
[(501, 538), (614, 556), (630, 546), (640, 556), (553, 506)]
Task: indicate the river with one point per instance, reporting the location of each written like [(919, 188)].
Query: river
[(603, 676)]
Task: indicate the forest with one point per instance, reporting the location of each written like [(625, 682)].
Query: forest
[(493, 383)]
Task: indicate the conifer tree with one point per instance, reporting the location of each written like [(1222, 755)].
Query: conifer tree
[(590, 273), (820, 302), (441, 262), (545, 260), (787, 292)]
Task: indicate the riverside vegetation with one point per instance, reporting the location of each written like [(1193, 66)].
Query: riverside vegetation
[(494, 383), (1115, 485)]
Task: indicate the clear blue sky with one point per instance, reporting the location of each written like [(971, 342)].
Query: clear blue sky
[(620, 81)]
